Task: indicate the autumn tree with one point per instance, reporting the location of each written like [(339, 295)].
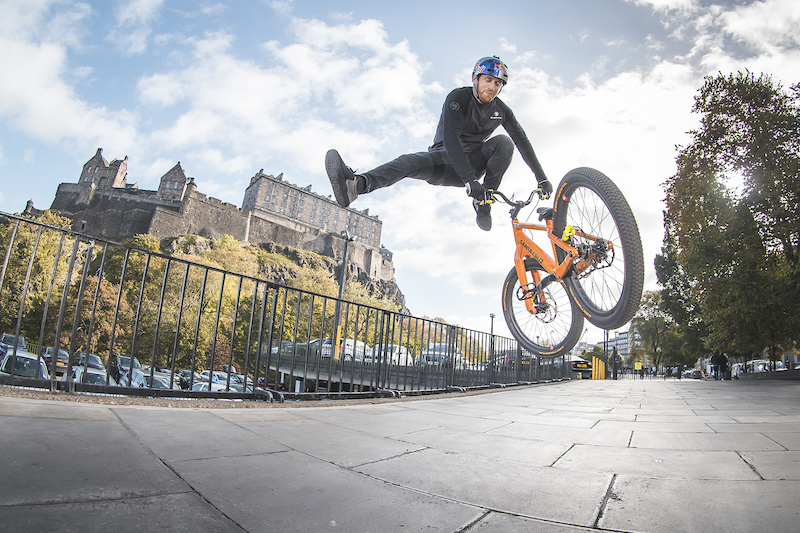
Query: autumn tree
[(733, 216)]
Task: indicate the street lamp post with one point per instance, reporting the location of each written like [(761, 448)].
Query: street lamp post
[(491, 347), (338, 311)]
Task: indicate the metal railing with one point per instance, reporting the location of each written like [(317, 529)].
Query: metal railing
[(159, 321)]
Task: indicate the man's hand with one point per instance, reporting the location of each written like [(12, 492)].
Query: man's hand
[(477, 190), (547, 188)]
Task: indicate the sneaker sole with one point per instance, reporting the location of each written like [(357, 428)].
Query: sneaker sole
[(333, 162)]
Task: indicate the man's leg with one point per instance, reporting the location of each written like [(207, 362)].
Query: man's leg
[(425, 166), (494, 158)]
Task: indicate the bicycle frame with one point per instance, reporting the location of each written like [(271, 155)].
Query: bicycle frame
[(526, 248)]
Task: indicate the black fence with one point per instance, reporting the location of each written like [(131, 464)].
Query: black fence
[(86, 315)]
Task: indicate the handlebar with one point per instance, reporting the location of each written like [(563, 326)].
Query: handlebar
[(517, 205)]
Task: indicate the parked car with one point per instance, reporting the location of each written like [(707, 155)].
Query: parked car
[(7, 343), (507, 359), (26, 365), (93, 375), (120, 365), (158, 381), (185, 378), (443, 355), (349, 349), (581, 365), (216, 376), (392, 354), (284, 348), (203, 386), (61, 362), (131, 378), (764, 365), (93, 361)]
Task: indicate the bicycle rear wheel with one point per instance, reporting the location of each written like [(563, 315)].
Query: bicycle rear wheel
[(609, 289), (552, 331)]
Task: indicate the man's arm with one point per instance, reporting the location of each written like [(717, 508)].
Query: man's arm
[(522, 143), (453, 113)]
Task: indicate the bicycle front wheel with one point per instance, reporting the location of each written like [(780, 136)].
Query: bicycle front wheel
[(554, 330), (608, 286)]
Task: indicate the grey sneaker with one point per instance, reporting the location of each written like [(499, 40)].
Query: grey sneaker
[(484, 212), (343, 179)]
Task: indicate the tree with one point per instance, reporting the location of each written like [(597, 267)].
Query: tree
[(652, 324), (733, 216)]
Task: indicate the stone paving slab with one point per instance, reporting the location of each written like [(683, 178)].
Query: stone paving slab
[(294, 492), (498, 484), (774, 465), (130, 514), (790, 441), (699, 441), (584, 455), (329, 441), (384, 424), (668, 505), (658, 463), (49, 461), (459, 441), (175, 434), (599, 437)]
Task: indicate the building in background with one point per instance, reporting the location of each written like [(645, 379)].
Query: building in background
[(105, 205)]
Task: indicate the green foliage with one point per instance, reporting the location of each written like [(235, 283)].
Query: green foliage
[(225, 243), (146, 242), (651, 323), (733, 221), (168, 310)]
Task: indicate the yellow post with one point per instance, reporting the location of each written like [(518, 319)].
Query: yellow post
[(598, 368), (336, 341)]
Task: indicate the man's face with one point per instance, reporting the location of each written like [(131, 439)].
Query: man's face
[(487, 87)]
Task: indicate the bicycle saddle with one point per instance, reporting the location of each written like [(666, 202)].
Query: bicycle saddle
[(545, 213)]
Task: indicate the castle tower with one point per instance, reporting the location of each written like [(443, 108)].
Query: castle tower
[(173, 184), (98, 174)]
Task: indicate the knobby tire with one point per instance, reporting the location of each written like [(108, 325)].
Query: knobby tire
[(586, 199), (550, 333)]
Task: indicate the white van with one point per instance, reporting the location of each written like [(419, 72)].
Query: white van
[(392, 354), (349, 349)]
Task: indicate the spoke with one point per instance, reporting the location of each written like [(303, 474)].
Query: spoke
[(603, 286)]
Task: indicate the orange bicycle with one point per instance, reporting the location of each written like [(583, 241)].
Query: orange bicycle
[(596, 270)]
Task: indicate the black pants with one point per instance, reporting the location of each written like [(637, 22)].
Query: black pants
[(491, 160)]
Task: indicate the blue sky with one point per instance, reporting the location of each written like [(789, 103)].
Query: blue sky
[(231, 87)]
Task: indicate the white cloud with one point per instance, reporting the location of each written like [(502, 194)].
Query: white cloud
[(668, 5), (37, 100), (133, 29), (160, 89), (768, 25), (330, 84)]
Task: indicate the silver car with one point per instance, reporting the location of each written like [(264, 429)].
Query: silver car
[(25, 365)]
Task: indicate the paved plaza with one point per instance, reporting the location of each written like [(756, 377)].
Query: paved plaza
[(656, 456)]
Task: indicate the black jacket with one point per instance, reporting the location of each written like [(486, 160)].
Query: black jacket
[(466, 123)]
